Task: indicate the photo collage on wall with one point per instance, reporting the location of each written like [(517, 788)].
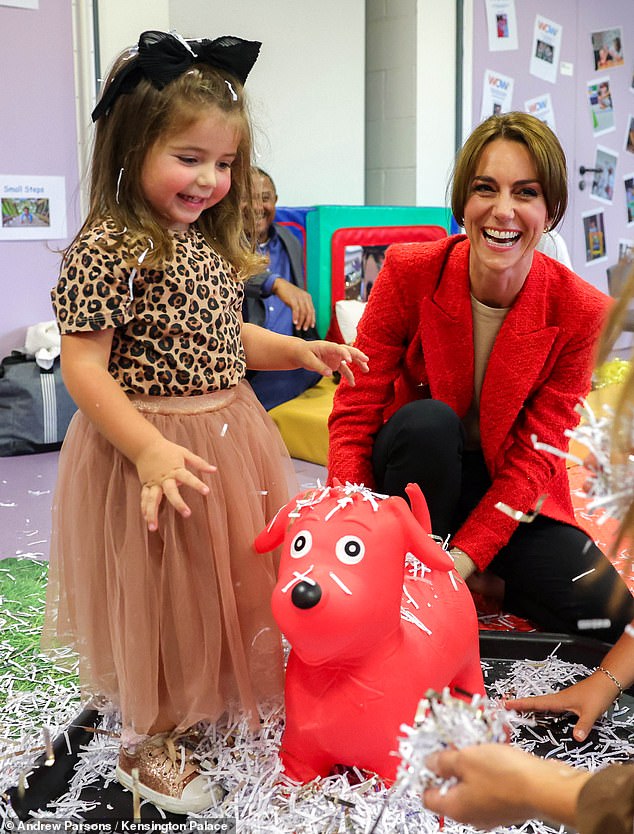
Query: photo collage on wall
[(607, 55), (608, 61)]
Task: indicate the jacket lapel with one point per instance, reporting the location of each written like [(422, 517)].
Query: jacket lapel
[(447, 333), (518, 356)]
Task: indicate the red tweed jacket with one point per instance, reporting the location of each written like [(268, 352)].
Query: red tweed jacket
[(417, 331)]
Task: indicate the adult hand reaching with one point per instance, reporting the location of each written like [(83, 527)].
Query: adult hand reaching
[(497, 784)]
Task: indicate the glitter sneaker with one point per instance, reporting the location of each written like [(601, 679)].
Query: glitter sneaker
[(168, 776)]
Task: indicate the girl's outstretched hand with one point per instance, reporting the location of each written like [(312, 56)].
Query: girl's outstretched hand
[(327, 357), (163, 469)]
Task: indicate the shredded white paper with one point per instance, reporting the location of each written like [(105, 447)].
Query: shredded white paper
[(258, 798)]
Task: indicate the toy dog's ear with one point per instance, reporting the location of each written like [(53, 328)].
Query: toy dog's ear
[(419, 506), (273, 535), (418, 540)]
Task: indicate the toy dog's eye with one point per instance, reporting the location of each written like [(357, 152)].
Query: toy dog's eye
[(301, 544), (350, 550)]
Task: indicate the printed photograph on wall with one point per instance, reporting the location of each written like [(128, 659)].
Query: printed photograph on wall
[(607, 48), (33, 207), (626, 249), (600, 103), (629, 136), (16, 213), (594, 236), (628, 181), (545, 49), (542, 108), (603, 176), (497, 94), (501, 25)]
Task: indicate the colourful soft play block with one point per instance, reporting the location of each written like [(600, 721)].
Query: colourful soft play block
[(303, 422), (323, 221)]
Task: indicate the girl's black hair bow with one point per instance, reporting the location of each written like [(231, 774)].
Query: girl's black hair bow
[(163, 56)]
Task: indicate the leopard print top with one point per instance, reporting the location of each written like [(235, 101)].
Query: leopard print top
[(176, 330)]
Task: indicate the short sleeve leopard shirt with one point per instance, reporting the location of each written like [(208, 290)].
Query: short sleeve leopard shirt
[(176, 330)]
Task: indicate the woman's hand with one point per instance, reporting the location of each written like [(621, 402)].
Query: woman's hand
[(327, 357), (163, 468), (500, 785), (588, 699), (463, 563)]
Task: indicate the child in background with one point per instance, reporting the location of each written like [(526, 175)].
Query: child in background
[(166, 601)]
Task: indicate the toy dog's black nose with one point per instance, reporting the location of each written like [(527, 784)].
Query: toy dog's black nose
[(305, 595)]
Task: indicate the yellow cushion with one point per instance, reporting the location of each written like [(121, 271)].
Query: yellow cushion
[(303, 422)]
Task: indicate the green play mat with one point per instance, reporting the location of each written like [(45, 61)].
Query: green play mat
[(30, 680)]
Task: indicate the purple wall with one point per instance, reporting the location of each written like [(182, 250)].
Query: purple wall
[(37, 137), (579, 18)]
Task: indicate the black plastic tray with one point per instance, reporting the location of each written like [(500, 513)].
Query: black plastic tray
[(498, 648)]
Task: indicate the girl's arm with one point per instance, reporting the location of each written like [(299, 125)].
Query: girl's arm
[(592, 696), (268, 351), (161, 464)]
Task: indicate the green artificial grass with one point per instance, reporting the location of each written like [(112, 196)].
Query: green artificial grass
[(23, 666)]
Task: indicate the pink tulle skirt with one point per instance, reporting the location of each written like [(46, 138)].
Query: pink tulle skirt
[(175, 626)]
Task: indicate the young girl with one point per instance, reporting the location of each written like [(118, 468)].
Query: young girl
[(165, 601)]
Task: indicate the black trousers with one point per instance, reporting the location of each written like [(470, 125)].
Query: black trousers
[(423, 443)]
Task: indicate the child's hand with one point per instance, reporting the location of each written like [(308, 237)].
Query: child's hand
[(162, 468), (588, 699), (327, 357)]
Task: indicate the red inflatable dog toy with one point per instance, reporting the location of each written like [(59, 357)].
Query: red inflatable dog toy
[(375, 615)]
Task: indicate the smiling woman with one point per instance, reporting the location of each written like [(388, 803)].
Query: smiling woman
[(505, 217), (478, 346)]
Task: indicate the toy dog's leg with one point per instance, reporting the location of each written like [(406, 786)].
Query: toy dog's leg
[(468, 681), (306, 766)]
